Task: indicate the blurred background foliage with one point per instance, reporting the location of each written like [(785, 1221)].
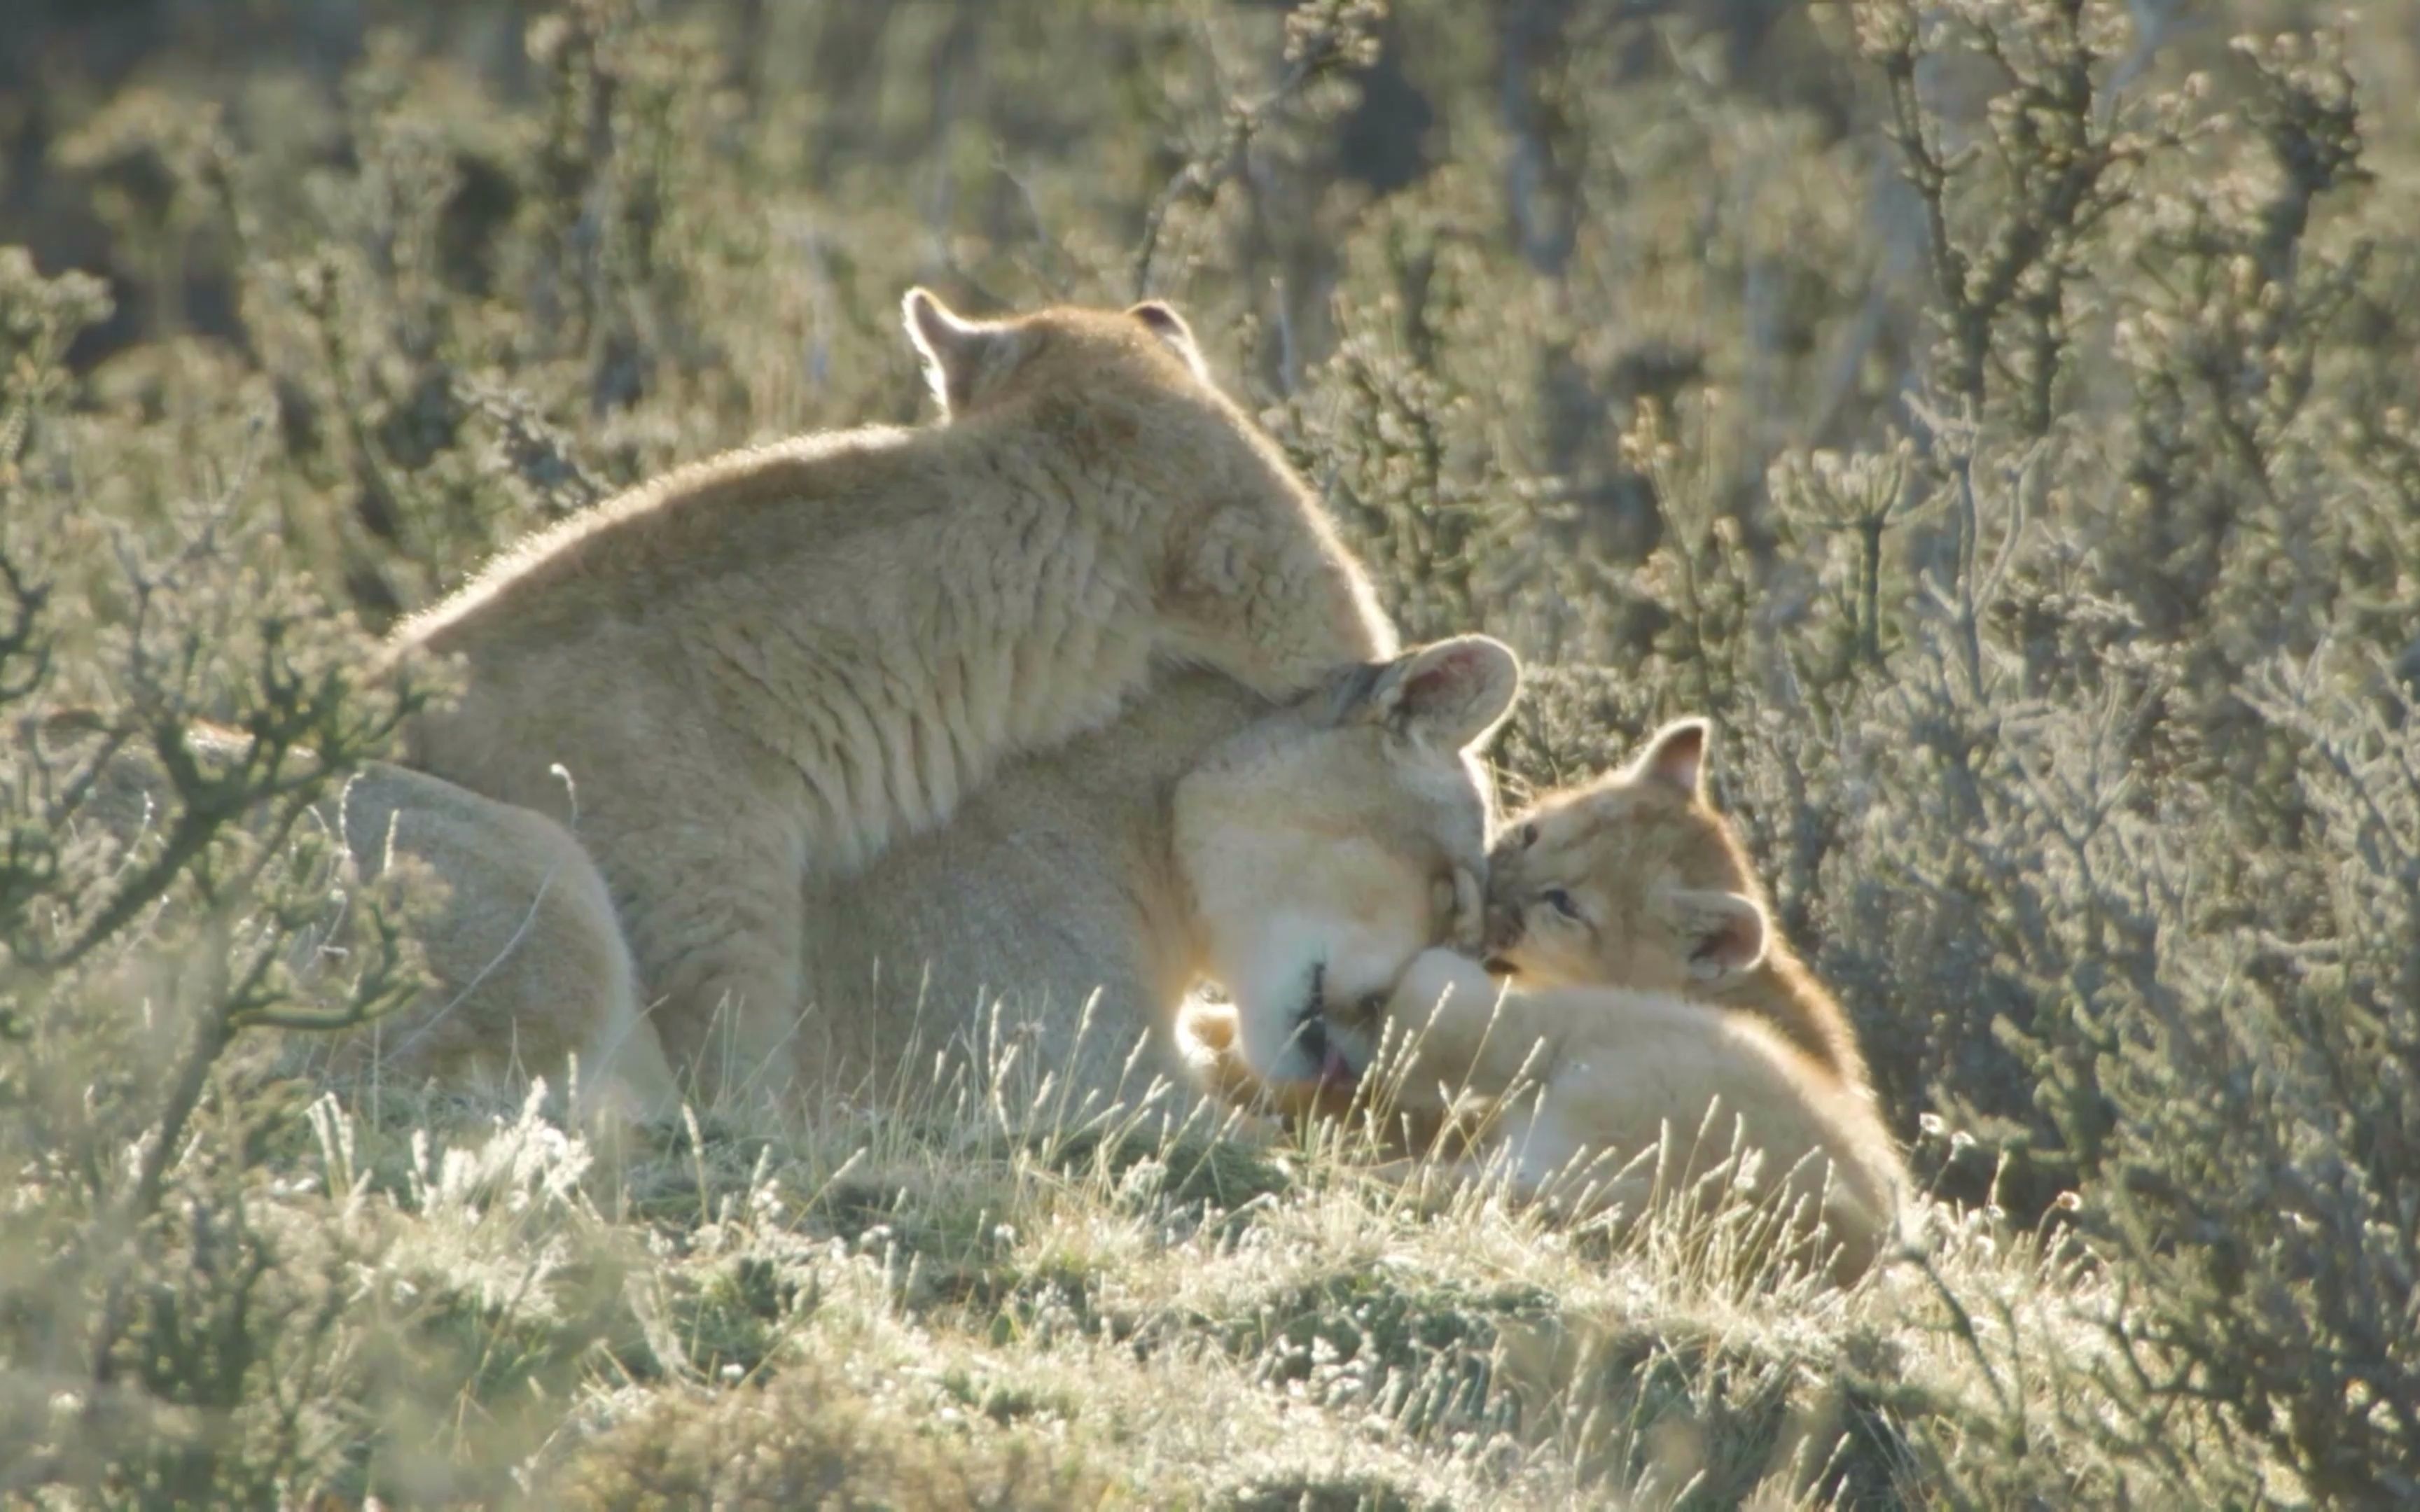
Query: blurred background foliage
[(1999, 416)]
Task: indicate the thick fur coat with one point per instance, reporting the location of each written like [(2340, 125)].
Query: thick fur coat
[(765, 671)]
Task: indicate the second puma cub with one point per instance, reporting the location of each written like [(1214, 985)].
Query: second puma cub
[(1636, 879)]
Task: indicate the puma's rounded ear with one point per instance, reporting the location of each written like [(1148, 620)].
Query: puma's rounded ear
[(956, 351), (1725, 934), (1205, 1040), (937, 329), (1162, 319), (1676, 756), (1451, 694), (1209, 1027)]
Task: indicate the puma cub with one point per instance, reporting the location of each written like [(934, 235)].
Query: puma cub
[(763, 670), (1601, 882)]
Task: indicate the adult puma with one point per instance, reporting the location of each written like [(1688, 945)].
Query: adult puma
[(1300, 855)]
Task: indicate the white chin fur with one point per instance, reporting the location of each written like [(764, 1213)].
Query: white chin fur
[(1271, 988), (1269, 1025)]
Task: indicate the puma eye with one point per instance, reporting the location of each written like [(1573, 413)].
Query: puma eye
[(1529, 835), (1561, 902)]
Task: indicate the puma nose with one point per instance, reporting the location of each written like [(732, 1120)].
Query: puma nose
[(1334, 1070), (1311, 1036), (1503, 929)]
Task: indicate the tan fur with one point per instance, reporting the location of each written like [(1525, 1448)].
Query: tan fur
[(1584, 1080), (528, 964), (1620, 1028), (1300, 855), (764, 671), (1651, 869), (1600, 1099)]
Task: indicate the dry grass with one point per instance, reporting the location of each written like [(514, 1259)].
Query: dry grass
[(1998, 416)]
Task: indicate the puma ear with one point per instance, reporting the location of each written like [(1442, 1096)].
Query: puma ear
[(1162, 319), (959, 354), (1205, 1041), (1676, 756), (1725, 935), (1448, 695), (1206, 1030)]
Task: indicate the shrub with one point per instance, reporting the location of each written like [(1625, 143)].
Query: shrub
[(1998, 415)]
